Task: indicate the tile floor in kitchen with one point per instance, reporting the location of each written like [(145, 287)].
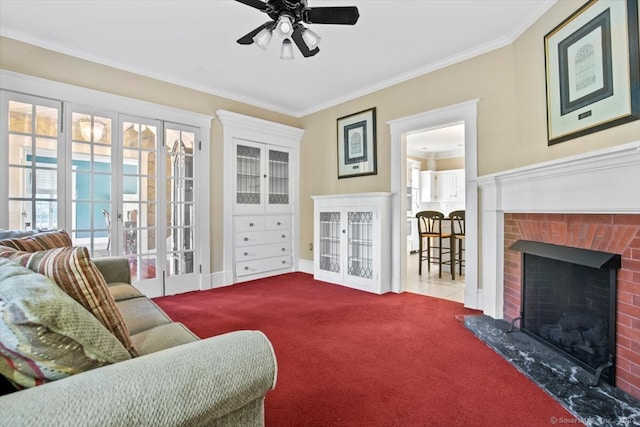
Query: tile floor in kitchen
[(429, 284)]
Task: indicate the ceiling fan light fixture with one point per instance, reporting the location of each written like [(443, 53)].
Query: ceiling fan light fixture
[(263, 38), (310, 38), (284, 26), (286, 52)]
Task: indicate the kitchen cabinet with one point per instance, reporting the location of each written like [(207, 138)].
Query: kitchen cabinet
[(352, 240), (428, 186), (450, 186), (442, 186)]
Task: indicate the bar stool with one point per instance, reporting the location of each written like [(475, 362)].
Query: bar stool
[(457, 241), (430, 228)]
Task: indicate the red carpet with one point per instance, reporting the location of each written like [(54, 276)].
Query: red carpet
[(350, 358)]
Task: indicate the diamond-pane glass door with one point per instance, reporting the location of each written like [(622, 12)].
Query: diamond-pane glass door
[(329, 250), (278, 177), (248, 175), (360, 244)]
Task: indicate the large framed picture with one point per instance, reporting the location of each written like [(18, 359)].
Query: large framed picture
[(593, 70), (357, 144)]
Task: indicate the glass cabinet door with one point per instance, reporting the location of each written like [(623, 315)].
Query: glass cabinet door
[(278, 177), (330, 241), (360, 244), (248, 175)]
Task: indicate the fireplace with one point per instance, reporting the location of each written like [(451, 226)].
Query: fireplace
[(569, 303)]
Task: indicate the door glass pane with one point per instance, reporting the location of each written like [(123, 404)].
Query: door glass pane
[(330, 241), (278, 177), (139, 184), (247, 175), (360, 243), (180, 192), (91, 176), (46, 121), (33, 165)]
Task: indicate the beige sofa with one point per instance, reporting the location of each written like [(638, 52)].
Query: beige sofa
[(178, 380)]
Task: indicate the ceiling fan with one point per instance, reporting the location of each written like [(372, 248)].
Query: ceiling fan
[(287, 19)]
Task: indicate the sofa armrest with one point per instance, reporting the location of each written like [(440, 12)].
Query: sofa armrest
[(114, 269), (191, 384)]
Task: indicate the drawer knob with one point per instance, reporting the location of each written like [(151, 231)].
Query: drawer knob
[(250, 224), (279, 223), (246, 268), (246, 253), (246, 239), (283, 249), (284, 262), (283, 236)]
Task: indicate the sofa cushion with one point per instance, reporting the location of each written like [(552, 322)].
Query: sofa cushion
[(72, 270), (141, 314), (39, 242), (162, 337), (46, 335), (122, 291)]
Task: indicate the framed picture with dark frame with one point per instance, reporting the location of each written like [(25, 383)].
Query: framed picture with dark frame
[(593, 70), (357, 144)]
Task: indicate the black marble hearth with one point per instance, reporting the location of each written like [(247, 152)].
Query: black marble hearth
[(602, 405)]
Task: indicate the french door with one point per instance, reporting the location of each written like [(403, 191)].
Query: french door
[(121, 185)]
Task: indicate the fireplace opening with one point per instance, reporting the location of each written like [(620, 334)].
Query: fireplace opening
[(569, 303)]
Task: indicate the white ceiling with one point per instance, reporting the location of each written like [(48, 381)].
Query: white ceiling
[(437, 143), (193, 43)]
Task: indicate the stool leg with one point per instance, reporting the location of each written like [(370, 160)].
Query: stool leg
[(452, 256), (460, 255), (428, 254), (420, 256), (440, 257)]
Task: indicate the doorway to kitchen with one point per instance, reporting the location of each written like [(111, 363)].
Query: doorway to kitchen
[(402, 130), (436, 183)]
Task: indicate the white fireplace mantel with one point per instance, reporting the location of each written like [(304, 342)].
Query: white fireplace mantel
[(603, 181)]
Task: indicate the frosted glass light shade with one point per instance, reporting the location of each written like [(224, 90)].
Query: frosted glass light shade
[(311, 39), (287, 50), (263, 38)]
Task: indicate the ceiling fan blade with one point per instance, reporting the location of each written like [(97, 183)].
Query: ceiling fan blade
[(304, 49), (260, 5), (344, 15), (248, 38)]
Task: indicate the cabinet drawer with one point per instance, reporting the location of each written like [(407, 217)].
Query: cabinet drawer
[(251, 238), (277, 222), (245, 268), (262, 251), (249, 223)]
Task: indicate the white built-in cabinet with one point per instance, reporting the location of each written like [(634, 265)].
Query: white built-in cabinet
[(442, 186), (260, 197), (352, 240)]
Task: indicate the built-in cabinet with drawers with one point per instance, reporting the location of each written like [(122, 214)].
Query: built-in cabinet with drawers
[(352, 244), (261, 200)]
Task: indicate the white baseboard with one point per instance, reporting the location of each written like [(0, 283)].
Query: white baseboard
[(305, 266)]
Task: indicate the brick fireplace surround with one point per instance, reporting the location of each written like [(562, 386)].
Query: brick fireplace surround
[(587, 201), (613, 233)]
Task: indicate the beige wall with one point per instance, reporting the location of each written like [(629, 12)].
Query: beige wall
[(508, 82), (449, 164), (28, 59)]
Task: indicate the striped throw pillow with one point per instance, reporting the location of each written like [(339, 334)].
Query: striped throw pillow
[(72, 269), (45, 334), (40, 241)]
